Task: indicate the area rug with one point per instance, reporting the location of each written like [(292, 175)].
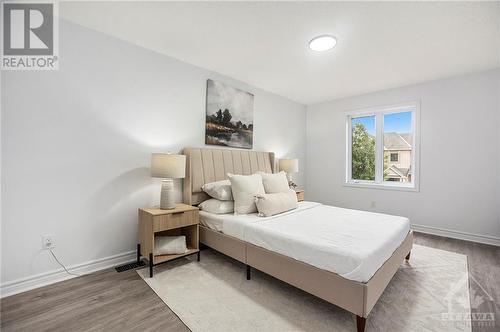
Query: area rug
[(428, 293)]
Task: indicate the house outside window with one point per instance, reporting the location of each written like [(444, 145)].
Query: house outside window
[(382, 147), (397, 169)]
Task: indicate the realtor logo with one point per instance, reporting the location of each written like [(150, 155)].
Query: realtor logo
[(29, 32)]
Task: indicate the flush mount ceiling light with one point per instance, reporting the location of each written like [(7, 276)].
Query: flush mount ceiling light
[(322, 43)]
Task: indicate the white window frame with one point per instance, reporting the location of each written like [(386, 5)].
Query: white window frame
[(379, 113)]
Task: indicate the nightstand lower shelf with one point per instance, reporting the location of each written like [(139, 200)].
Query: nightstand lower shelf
[(154, 260), (158, 259)]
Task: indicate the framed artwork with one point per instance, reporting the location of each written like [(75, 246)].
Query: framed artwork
[(229, 117)]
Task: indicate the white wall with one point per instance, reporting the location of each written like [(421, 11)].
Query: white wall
[(76, 146), (460, 151)]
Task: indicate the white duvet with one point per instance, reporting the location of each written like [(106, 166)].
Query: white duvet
[(351, 243)]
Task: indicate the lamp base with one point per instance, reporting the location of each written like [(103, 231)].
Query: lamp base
[(291, 184), (167, 198)]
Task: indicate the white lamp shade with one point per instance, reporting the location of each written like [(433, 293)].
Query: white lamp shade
[(289, 165), (168, 166)]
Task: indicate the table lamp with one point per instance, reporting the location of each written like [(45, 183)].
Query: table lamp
[(168, 167), (289, 166)]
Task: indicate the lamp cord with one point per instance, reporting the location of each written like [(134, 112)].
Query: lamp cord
[(62, 265)]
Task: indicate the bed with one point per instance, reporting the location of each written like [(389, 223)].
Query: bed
[(346, 257)]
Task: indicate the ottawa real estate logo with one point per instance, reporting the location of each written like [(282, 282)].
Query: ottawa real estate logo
[(29, 35)]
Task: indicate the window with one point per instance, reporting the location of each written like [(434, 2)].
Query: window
[(363, 148), (382, 147)]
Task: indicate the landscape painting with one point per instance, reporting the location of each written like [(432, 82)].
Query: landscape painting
[(229, 118)]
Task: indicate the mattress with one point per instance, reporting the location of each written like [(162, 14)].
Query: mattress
[(351, 243)]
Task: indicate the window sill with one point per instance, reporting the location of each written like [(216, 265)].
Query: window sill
[(384, 186)]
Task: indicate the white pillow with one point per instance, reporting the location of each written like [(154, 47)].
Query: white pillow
[(170, 245), (275, 183), (219, 190), (244, 188), (217, 206), (271, 204)]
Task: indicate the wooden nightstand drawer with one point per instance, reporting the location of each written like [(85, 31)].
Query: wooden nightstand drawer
[(174, 220)]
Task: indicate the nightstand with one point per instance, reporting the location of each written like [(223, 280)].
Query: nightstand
[(300, 194), (183, 220)]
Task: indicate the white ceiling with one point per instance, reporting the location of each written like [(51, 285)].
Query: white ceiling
[(380, 45)]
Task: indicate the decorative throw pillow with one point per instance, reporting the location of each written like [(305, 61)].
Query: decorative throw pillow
[(217, 206), (275, 183), (219, 190), (170, 245), (271, 204), (244, 188)]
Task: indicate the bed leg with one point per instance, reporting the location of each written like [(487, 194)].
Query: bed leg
[(408, 256), (249, 276), (360, 323)]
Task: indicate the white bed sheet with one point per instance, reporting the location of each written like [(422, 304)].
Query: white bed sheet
[(212, 220), (351, 243), (235, 224)]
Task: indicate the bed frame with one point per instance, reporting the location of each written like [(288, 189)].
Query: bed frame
[(208, 165)]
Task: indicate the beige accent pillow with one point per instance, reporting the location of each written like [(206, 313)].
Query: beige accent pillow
[(213, 205), (271, 204), (275, 183), (220, 190), (244, 188), (170, 245)]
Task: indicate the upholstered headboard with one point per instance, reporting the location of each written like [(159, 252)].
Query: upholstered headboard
[(204, 165)]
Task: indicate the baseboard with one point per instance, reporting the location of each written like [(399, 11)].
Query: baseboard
[(491, 240), (47, 278)]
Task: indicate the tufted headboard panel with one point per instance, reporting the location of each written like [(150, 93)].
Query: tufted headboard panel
[(204, 165)]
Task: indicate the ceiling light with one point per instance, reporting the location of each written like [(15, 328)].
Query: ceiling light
[(322, 43)]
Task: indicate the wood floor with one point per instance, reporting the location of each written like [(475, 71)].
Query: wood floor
[(111, 301), (101, 301)]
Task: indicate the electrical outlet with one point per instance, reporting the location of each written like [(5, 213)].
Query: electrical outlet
[(48, 242), (373, 204)]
